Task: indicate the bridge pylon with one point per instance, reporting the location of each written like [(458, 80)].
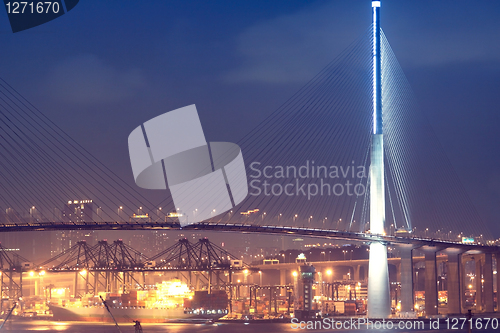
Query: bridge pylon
[(379, 302)]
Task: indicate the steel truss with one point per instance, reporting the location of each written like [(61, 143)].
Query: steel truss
[(11, 277)]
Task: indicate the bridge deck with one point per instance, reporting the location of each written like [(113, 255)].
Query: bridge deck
[(247, 228)]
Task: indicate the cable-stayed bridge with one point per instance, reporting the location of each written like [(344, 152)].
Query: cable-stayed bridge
[(310, 168)]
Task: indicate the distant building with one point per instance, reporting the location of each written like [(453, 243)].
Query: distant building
[(64, 239), (74, 211), (161, 241), (33, 245), (78, 211)]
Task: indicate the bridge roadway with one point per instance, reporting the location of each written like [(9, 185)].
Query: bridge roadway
[(354, 265), (248, 228), (339, 263)]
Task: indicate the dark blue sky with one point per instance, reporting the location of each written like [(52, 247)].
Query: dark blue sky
[(107, 66)]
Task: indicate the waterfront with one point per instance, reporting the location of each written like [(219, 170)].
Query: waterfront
[(83, 327)]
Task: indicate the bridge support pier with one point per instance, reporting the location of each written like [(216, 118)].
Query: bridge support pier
[(283, 273), (455, 293), (497, 256), (406, 276), (217, 279), (75, 285), (356, 274), (379, 301), (431, 294), (96, 274), (209, 286), (488, 282), (479, 285), (109, 282), (115, 283), (463, 282)]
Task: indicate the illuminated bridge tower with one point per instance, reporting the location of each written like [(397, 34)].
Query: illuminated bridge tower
[(379, 305)]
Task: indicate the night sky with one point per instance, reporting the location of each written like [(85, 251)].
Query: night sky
[(107, 66)]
